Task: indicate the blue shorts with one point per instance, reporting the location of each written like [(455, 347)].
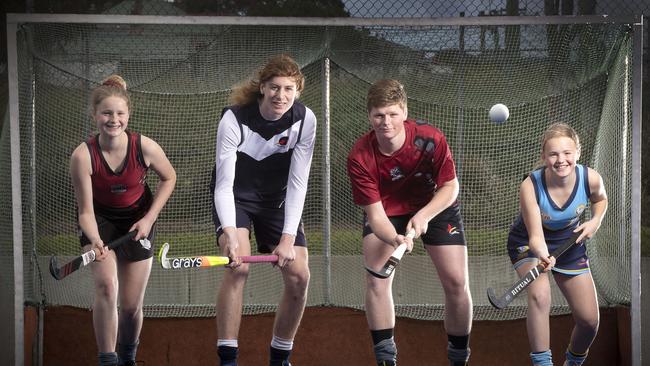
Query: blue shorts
[(573, 262), (267, 222), (444, 229)]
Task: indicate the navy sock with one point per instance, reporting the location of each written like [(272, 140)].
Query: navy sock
[(384, 346), (107, 359), (381, 334), (127, 352), (458, 342), (278, 356), (227, 354)]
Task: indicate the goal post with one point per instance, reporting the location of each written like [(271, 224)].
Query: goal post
[(582, 70)]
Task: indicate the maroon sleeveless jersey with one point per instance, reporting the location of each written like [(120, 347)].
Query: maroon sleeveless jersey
[(118, 189)]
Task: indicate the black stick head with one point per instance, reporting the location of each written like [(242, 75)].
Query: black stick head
[(54, 268), (387, 270), (497, 302), (379, 274)]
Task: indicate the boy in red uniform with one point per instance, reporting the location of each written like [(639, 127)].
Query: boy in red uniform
[(404, 178)]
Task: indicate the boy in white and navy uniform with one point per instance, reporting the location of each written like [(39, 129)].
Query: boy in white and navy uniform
[(266, 195)]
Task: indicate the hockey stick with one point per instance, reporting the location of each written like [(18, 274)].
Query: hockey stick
[(521, 284), (88, 257), (392, 262), (202, 261)]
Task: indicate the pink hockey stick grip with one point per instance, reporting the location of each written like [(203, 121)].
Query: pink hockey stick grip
[(259, 258)]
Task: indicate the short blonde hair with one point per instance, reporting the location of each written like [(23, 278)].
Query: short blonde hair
[(386, 92)]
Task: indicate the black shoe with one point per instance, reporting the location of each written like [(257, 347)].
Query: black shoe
[(284, 363), (386, 363)]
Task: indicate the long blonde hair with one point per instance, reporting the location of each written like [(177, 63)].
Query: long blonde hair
[(112, 86), (279, 65)]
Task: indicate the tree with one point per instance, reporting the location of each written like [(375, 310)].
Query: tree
[(304, 8)]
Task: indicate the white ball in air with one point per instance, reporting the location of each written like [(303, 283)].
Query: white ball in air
[(499, 113)]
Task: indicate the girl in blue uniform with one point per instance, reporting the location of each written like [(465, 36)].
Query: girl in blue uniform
[(552, 198)]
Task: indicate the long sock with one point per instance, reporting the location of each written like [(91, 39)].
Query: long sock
[(575, 359), (280, 351), (107, 359), (227, 349), (126, 352), (384, 346), (542, 358), (458, 350)]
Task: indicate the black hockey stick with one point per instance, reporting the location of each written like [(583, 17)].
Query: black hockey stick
[(521, 284), (392, 262), (88, 257)]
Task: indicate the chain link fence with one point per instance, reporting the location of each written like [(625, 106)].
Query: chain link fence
[(354, 8)]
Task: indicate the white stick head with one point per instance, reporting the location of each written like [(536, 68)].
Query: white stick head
[(162, 256)]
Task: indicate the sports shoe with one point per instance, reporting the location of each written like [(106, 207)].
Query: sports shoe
[(284, 363), (131, 363), (386, 363), (458, 363)]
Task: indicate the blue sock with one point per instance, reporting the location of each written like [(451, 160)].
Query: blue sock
[(542, 358)]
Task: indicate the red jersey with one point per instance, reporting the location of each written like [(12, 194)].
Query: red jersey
[(407, 180), (124, 188)]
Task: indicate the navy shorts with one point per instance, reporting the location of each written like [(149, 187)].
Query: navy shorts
[(444, 229), (266, 221), (573, 262), (110, 230)]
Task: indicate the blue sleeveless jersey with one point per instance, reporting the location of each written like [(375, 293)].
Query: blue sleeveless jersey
[(557, 218), (558, 224)]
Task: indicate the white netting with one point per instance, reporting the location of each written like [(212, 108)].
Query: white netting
[(180, 76)]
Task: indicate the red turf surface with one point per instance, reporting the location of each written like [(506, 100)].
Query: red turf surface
[(327, 336)]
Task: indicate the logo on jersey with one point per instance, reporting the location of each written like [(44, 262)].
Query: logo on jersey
[(396, 174), (580, 209), (118, 188), (452, 230), (545, 216), (424, 144), (283, 141)]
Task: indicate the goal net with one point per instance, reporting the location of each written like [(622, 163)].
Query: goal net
[(179, 78)]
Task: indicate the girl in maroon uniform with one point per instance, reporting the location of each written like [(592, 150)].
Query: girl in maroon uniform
[(109, 177), (404, 177)]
